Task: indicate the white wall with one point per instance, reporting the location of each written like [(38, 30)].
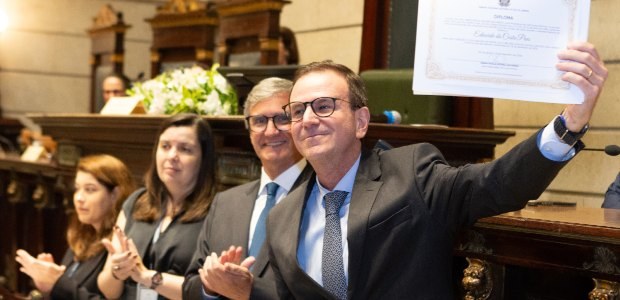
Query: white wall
[(45, 52)]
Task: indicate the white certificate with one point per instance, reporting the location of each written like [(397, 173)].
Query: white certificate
[(497, 48)]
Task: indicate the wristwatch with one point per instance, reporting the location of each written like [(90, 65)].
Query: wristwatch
[(569, 137), (156, 280)]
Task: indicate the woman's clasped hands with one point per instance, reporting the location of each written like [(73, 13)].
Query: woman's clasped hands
[(126, 262)]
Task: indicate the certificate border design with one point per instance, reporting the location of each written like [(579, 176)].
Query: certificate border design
[(436, 72)]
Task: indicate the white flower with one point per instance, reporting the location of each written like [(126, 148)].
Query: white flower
[(187, 90), (220, 82)]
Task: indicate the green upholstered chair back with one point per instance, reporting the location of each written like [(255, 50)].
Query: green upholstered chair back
[(391, 90)]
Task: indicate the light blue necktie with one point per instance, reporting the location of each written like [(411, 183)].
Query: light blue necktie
[(332, 267), (261, 231)]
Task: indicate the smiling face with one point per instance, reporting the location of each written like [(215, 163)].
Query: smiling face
[(92, 200), (274, 148), (178, 159), (333, 140)]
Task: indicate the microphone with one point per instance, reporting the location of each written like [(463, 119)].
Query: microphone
[(388, 116), (611, 150)]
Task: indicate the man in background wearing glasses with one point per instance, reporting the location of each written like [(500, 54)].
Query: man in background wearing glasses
[(235, 224), (381, 224)]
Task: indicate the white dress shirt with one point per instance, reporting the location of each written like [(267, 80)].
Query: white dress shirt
[(285, 182), (310, 251)]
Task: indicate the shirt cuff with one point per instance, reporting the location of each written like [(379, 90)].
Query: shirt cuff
[(552, 147), (206, 296)]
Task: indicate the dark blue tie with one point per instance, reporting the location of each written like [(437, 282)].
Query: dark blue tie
[(261, 231), (332, 268)]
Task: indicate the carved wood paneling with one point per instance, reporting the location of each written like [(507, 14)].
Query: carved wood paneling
[(574, 245)]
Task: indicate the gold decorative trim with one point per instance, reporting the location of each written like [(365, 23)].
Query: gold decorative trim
[(204, 54), (269, 44), (117, 58), (15, 193), (477, 281), (182, 22), (155, 56), (242, 9), (180, 6), (604, 290)]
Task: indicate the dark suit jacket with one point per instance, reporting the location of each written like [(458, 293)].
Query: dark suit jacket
[(170, 254), (612, 197), (407, 206), (226, 224), (83, 283)]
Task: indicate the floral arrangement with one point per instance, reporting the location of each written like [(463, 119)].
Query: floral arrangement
[(194, 90)]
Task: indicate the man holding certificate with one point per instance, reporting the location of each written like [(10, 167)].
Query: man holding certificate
[(373, 224)]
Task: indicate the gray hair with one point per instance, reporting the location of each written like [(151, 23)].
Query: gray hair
[(266, 88)]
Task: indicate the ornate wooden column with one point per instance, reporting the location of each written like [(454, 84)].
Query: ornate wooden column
[(183, 34), (249, 31), (35, 199), (107, 36)]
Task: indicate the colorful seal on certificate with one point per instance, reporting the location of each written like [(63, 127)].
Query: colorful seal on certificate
[(504, 2)]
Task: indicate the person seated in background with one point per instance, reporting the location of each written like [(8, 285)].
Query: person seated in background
[(157, 228), (612, 196), (102, 183), (115, 85), (237, 216), (288, 53)]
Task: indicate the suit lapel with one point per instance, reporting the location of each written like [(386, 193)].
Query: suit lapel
[(245, 216), (245, 206), (289, 239), (88, 267), (263, 257), (363, 197)]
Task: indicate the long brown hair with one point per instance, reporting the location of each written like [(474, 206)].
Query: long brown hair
[(148, 207), (112, 173)]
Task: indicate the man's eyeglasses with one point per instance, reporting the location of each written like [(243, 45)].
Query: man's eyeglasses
[(323, 107), (259, 123)]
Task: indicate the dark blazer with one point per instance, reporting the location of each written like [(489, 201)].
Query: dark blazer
[(226, 224), (83, 283), (170, 254), (407, 206), (612, 196)]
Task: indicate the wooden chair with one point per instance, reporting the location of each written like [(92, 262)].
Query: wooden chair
[(249, 31)]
